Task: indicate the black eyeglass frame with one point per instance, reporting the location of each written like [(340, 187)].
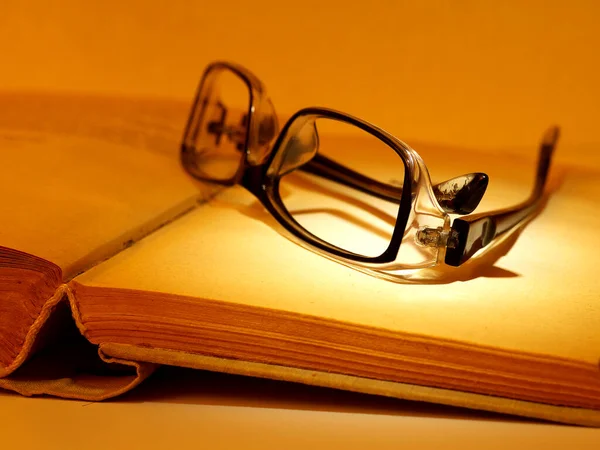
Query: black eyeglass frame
[(266, 187), (458, 240)]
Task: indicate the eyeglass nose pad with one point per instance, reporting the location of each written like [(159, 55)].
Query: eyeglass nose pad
[(461, 195), (301, 148), (268, 127), (263, 132)]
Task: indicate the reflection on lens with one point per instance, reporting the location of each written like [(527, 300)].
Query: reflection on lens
[(353, 220), (222, 128)]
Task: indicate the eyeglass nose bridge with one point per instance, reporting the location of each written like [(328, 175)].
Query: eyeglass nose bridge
[(254, 137)]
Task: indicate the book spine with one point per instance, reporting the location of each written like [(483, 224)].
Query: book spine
[(30, 288)]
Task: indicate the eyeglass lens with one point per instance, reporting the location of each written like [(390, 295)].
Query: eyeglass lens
[(221, 129), (343, 216)]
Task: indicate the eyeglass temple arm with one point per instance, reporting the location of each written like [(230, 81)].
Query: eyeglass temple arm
[(460, 195), (471, 233)]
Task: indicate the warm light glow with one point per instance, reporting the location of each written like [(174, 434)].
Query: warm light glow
[(351, 220)]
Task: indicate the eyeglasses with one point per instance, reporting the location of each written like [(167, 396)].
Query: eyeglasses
[(340, 186)]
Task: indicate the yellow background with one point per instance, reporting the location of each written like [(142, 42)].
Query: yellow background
[(465, 72)]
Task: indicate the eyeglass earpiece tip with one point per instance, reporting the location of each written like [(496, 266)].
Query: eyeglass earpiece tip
[(551, 136)]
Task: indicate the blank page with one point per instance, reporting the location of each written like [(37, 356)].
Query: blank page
[(81, 176), (541, 297)]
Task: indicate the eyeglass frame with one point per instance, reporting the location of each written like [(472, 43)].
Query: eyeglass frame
[(459, 239)]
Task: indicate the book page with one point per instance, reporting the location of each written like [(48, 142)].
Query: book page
[(81, 177), (542, 297)]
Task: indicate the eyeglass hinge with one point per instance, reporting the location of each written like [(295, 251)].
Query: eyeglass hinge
[(436, 237)]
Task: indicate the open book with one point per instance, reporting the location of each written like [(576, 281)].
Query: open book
[(113, 261)]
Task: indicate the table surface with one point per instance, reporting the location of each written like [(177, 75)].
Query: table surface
[(179, 408)]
